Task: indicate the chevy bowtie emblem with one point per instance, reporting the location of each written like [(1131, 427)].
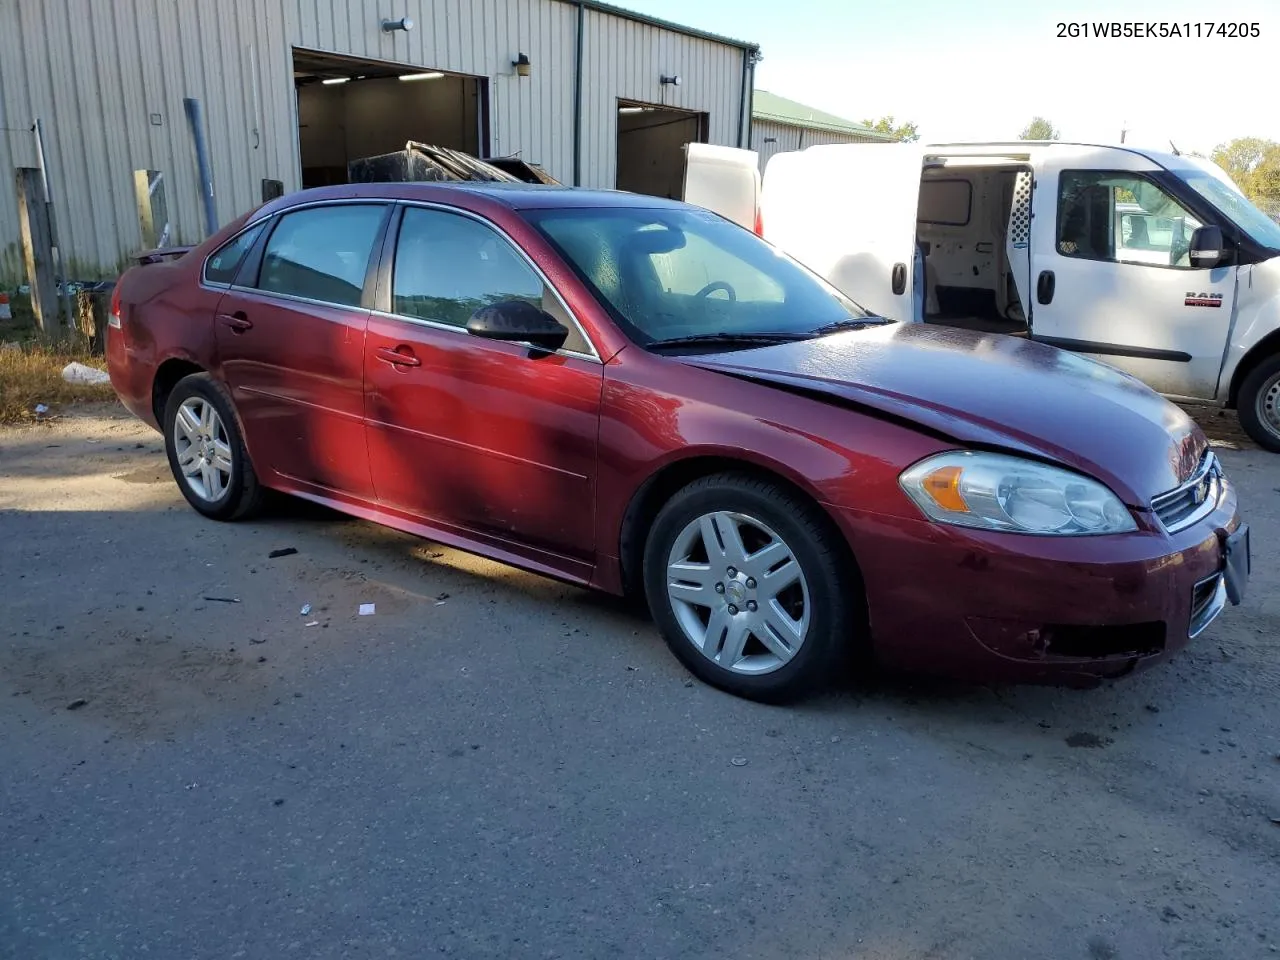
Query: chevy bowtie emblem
[(1203, 300)]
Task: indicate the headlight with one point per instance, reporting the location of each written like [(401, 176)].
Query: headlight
[(996, 492)]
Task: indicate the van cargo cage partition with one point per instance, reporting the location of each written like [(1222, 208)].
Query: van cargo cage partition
[(421, 162)]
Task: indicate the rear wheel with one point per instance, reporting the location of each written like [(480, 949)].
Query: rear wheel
[(206, 452), (1258, 404), (751, 587)]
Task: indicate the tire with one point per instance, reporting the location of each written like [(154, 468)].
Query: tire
[(232, 493), (691, 602), (1258, 404)]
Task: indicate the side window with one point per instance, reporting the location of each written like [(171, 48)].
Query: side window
[(322, 253), (449, 266), (700, 266), (1123, 218), (221, 267)]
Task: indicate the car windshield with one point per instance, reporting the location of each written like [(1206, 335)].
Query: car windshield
[(675, 272), (1235, 206)]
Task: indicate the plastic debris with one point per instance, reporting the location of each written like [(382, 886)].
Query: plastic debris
[(739, 761), (366, 609), (306, 608), (223, 599), (79, 373), (41, 409), (314, 623), (282, 552)]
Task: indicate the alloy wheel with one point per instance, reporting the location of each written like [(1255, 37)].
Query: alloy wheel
[(203, 449), (738, 593)]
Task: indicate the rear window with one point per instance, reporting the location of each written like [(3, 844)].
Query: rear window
[(322, 253), (221, 267)]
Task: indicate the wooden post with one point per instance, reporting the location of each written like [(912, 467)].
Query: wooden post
[(153, 211), (37, 251)]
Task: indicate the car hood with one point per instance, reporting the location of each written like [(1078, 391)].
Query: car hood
[(992, 391)]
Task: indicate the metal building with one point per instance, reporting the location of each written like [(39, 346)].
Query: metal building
[(290, 91), (780, 125)]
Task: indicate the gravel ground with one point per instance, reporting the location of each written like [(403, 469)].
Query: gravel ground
[(495, 765)]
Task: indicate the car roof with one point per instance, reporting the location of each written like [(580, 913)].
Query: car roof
[(515, 196)]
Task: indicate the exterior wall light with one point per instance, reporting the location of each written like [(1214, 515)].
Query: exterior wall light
[(674, 81), (522, 63), (390, 26)]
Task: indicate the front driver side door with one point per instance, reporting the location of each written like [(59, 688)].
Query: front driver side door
[(1112, 278), (494, 440)]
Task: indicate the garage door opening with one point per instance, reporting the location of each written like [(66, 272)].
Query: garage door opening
[(350, 108), (651, 142)]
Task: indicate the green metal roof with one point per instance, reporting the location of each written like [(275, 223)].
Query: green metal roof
[(638, 17), (775, 109)]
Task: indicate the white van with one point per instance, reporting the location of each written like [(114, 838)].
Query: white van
[(1152, 262)]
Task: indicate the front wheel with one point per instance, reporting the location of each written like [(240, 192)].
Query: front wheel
[(1258, 404), (751, 587)]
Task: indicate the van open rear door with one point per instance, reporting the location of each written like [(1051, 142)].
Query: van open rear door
[(725, 180), (848, 212)]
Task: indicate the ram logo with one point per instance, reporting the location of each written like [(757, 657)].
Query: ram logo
[(1203, 300)]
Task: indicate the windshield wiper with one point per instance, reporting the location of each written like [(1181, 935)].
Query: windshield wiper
[(730, 338), (852, 323)]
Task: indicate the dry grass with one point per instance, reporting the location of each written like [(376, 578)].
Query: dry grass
[(32, 374)]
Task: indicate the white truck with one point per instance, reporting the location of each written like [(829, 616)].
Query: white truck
[(1151, 262)]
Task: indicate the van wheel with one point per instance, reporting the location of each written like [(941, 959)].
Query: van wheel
[(1258, 404), (206, 452), (751, 587)]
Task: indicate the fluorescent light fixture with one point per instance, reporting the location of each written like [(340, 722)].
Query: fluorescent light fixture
[(421, 76), (334, 80), (633, 109)]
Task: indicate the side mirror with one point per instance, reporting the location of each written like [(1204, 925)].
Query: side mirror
[(1208, 248), (519, 321)]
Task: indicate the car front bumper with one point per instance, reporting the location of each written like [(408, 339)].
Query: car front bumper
[(1069, 610)]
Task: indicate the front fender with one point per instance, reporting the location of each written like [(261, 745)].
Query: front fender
[(1256, 331)]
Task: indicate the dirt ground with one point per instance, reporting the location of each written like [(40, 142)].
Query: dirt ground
[(495, 765)]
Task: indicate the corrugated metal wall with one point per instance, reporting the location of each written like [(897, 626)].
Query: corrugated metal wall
[(108, 78), (786, 137)]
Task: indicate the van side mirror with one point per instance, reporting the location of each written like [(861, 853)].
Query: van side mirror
[(519, 321), (1208, 248)]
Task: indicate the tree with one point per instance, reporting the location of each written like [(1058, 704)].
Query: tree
[(1039, 129), (1254, 164), (903, 131)]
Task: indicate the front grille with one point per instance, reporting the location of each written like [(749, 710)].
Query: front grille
[(1193, 500)]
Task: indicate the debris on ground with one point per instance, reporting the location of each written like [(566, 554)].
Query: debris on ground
[(366, 609), (282, 552), (79, 373), (41, 409), (306, 608), (314, 623), (441, 598), (77, 703), (739, 761), (256, 640), (223, 599)]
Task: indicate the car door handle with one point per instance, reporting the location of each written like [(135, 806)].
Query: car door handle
[(1044, 286), (398, 358), (237, 321)]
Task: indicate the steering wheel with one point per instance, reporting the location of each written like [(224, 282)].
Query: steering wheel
[(715, 285)]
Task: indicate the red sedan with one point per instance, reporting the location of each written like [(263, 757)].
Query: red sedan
[(638, 396)]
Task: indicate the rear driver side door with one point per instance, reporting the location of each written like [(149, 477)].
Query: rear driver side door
[(494, 440), (290, 336)]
